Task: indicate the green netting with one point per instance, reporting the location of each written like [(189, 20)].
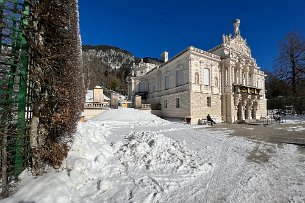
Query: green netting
[(14, 92)]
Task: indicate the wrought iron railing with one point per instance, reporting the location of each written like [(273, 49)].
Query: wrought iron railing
[(15, 111)]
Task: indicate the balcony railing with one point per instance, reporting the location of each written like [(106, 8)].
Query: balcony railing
[(242, 89)]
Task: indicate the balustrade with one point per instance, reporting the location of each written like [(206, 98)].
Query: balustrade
[(145, 106), (96, 105)]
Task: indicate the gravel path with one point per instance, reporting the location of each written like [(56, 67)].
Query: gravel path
[(274, 133)]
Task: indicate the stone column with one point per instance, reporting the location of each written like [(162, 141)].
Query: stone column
[(132, 86), (241, 76), (237, 75), (234, 75), (137, 103), (248, 110), (242, 112), (229, 75), (114, 101), (254, 109), (242, 109)]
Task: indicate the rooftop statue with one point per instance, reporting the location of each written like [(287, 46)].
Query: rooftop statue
[(236, 27)]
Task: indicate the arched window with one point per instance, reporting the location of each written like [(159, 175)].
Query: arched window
[(206, 77), (197, 78)]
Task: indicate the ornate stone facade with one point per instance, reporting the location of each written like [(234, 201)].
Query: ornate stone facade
[(224, 82)]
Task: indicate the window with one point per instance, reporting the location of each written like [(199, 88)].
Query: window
[(209, 102), (206, 77), (141, 87), (177, 102), (166, 79), (165, 103), (179, 77)]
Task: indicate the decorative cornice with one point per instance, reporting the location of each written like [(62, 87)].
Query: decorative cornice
[(200, 51)]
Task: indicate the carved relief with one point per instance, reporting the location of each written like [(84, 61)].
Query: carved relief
[(237, 100), (238, 44), (206, 63), (196, 64)]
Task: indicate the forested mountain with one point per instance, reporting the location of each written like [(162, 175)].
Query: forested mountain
[(109, 66)]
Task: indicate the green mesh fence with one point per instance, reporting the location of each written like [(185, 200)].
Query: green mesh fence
[(15, 112)]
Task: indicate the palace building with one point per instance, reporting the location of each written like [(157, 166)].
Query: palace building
[(224, 82)]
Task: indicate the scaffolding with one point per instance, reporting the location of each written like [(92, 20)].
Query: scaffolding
[(15, 112)]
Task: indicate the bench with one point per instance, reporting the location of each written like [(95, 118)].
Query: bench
[(204, 121)]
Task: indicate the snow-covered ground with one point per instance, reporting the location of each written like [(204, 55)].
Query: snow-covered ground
[(297, 121), (293, 119), (126, 155)]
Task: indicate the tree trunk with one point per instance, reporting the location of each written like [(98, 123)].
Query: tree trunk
[(36, 160), (38, 134), (293, 78)]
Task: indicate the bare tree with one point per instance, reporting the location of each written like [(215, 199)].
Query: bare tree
[(290, 70), (290, 64)]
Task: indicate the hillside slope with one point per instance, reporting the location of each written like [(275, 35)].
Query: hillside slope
[(109, 66)]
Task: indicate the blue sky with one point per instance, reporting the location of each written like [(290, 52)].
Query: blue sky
[(147, 28)]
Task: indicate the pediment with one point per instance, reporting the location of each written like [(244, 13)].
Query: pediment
[(239, 44)]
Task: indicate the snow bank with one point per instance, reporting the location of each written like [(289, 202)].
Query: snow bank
[(294, 119), (85, 172), (129, 115), (158, 154), (98, 171)]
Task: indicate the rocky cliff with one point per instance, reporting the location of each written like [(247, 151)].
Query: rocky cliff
[(109, 66)]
